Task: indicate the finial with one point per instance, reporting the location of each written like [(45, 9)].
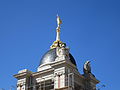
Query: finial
[(57, 43), (59, 22)]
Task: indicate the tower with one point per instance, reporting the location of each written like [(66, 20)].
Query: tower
[(57, 71)]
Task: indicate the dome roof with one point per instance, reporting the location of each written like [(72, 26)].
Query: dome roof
[(51, 55)]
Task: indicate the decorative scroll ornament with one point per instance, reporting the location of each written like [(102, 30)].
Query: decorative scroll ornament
[(87, 67), (62, 53)]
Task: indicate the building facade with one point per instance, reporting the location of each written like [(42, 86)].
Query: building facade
[(57, 71)]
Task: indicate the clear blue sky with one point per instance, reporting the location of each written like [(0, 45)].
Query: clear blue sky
[(91, 28)]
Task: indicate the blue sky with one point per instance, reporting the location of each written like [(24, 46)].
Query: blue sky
[(91, 28)]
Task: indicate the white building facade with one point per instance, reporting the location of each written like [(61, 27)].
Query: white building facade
[(57, 71)]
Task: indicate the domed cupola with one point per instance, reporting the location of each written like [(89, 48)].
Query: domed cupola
[(51, 55), (58, 50)]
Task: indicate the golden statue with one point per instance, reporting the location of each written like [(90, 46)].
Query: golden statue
[(59, 21)]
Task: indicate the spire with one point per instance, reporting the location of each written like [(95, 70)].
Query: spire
[(59, 22), (57, 43)]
